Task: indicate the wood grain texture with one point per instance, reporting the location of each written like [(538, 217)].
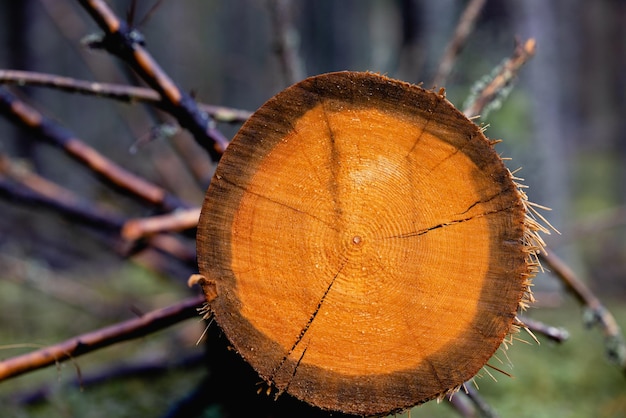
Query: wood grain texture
[(366, 243)]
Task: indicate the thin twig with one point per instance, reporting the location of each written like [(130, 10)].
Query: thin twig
[(461, 404), (118, 92), (507, 71), (146, 368), (20, 185), (179, 220), (126, 43), (463, 30), (483, 407), (595, 312), (46, 129), (104, 337), (558, 335), (286, 40)]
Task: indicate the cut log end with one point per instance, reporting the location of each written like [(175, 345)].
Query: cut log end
[(367, 248)]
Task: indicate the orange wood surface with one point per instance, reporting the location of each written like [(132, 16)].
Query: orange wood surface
[(366, 244)]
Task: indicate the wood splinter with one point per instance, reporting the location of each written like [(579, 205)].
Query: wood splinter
[(365, 248)]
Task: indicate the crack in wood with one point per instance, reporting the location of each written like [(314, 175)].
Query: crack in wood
[(445, 224), (307, 326)]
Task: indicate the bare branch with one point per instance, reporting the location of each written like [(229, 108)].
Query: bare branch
[(596, 313), (179, 220), (558, 335), (126, 43), (507, 71), (463, 30), (119, 92), (147, 368), (104, 337), (27, 117)]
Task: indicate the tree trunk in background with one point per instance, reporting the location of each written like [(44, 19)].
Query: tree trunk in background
[(17, 23), (550, 78)]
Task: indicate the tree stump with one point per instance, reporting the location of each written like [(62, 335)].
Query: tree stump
[(363, 246)]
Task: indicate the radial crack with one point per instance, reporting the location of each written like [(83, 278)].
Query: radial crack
[(307, 325), (445, 224)]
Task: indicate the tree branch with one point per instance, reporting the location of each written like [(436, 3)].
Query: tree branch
[(179, 220), (44, 128), (596, 313), (126, 43), (118, 92), (463, 30), (490, 91), (104, 337)]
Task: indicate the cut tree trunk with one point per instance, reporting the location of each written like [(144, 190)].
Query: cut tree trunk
[(362, 244)]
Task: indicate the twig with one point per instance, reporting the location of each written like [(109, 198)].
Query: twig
[(179, 220), (506, 72), (86, 343), (460, 402), (286, 40), (148, 368), (463, 30), (49, 195), (18, 184), (27, 117), (555, 334), (119, 92), (595, 314), (126, 43), (483, 407)]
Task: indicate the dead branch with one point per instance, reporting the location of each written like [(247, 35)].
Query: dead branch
[(104, 337), (507, 71), (558, 335), (481, 405), (64, 203), (120, 92), (179, 220), (463, 30), (46, 129), (596, 313), (126, 43), (20, 185), (285, 38)]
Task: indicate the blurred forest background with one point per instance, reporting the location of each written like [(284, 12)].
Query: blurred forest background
[(564, 123)]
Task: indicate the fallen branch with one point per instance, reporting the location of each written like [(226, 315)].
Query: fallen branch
[(118, 92), (555, 334), (46, 129), (126, 43), (179, 220), (145, 369), (20, 185), (86, 343), (595, 312)]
